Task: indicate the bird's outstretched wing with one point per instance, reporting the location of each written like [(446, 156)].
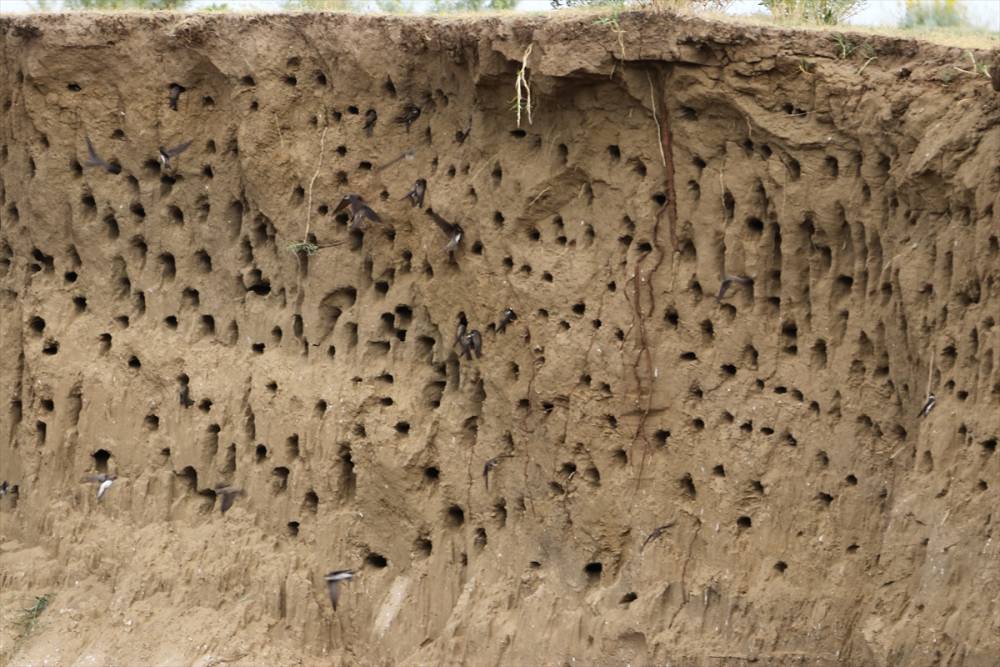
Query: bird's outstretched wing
[(367, 212), (727, 282), (410, 114), (177, 150), (443, 225), (93, 159), (344, 203)]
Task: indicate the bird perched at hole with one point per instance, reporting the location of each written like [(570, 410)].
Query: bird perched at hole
[(185, 395), (462, 135), (729, 280), (3, 488), (472, 342), (167, 153), (103, 482), (490, 465), (175, 93), (370, 117), (94, 160), (452, 230), (463, 325), (359, 210), (228, 495), (928, 406), (506, 318), (333, 580), (416, 194), (410, 113)]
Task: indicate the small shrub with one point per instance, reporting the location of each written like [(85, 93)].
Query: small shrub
[(933, 14), (823, 12), (29, 615)]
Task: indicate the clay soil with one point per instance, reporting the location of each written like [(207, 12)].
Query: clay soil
[(679, 479)]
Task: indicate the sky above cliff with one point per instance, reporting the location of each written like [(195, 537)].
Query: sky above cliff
[(981, 13)]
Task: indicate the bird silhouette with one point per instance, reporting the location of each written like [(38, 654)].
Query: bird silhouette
[(928, 406), (472, 342), (416, 194), (103, 482), (506, 318), (410, 113), (370, 117), (463, 325), (167, 153), (727, 281), (94, 160), (452, 230), (359, 210), (490, 465), (175, 92), (333, 580), (228, 495)]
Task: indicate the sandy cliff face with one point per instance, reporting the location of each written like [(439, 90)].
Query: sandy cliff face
[(679, 479)]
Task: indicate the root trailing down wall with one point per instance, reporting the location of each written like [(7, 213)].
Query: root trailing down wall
[(678, 479)]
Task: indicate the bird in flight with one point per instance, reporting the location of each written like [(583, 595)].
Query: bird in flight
[(728, 281), (103, 482), (167, 153), (359, 210), (452, 230), (94, 160), (333, 580)]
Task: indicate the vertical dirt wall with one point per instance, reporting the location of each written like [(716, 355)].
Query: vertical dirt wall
[(676, 479)]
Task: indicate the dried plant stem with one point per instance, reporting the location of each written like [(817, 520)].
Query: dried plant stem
[(319, 165)]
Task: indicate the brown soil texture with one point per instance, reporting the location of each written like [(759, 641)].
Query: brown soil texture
[(680, 479)]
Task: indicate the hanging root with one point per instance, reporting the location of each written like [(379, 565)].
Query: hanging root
[(659, 130), (523, 101)]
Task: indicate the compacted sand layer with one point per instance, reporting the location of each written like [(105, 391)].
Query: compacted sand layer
[(679, 479)]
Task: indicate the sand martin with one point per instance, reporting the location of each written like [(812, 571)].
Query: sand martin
[(359, 210), (103, 482), (370, 117), (928, 406), (408, 154), (508, 316), (655, 534), (490, 465), (175, 92), (333, 579), (94, 160), (463, 325), (472, 342), (167, 153), (228, 495), (416, 195), (727, 281), (410, 113), (452, 231)]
